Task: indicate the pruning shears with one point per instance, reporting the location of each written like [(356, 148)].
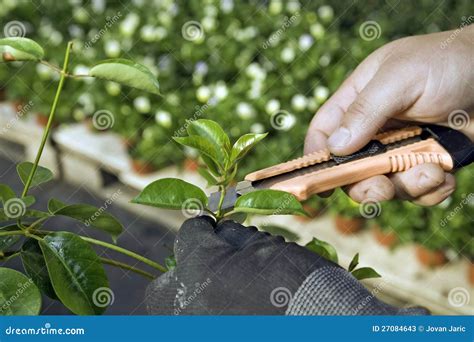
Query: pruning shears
[(391, 151)]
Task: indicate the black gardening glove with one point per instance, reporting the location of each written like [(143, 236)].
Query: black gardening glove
[(232, 269)]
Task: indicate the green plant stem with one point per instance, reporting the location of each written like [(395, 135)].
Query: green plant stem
[(50, 120), (126, 252), (221, 200), (127, 267), (95, 242), (13, 232), (5, 256)]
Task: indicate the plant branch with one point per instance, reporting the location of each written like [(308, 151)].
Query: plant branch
[(52, 66), (50, 120), (127, 267), (126, 252), (223, 190)]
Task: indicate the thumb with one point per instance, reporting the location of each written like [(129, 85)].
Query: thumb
[(391, 91)]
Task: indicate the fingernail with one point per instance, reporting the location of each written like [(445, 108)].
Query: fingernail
[(340, 137)]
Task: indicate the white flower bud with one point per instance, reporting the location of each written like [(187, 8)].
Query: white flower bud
[(321, 93), (305, 42), (299, 102), (163, 118), (272, 106), (287, 55), (257, 128), (221, 91), (245, 110), (142, 104), (317, 30), (203, 94), (112, 48), (326, 13)]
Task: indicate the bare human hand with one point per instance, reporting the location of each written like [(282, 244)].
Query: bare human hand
[(414, 79)]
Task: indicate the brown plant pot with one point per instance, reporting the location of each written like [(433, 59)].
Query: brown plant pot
[(430, 258), (470, 273), (191, 164), (387, 239), (3, 94), (41, 120), (141, 167), (313, 213), (348, 225), (17, 105)]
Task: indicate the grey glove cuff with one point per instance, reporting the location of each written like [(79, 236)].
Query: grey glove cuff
[(334, 291)]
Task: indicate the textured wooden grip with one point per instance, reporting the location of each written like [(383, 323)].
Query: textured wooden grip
[(395, 160)]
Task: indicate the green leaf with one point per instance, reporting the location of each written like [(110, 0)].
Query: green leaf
[(269, 202), (354, 263), (213, 132), (6, 193), (18, 294), (170, 262), (244, 144), (20, 49), (42, 174), (29, 200), (172, 193), (75, 271), (54, 205), (35, 266), (365, 273), (10, 240), (324, 249), (92, 216), (30, 213), (207, 176), (211, 165), (128, 73), (203, 145)]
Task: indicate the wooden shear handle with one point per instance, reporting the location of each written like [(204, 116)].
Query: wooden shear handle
[(398, 159)]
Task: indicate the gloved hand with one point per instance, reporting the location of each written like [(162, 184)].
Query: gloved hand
[(232, 269)]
